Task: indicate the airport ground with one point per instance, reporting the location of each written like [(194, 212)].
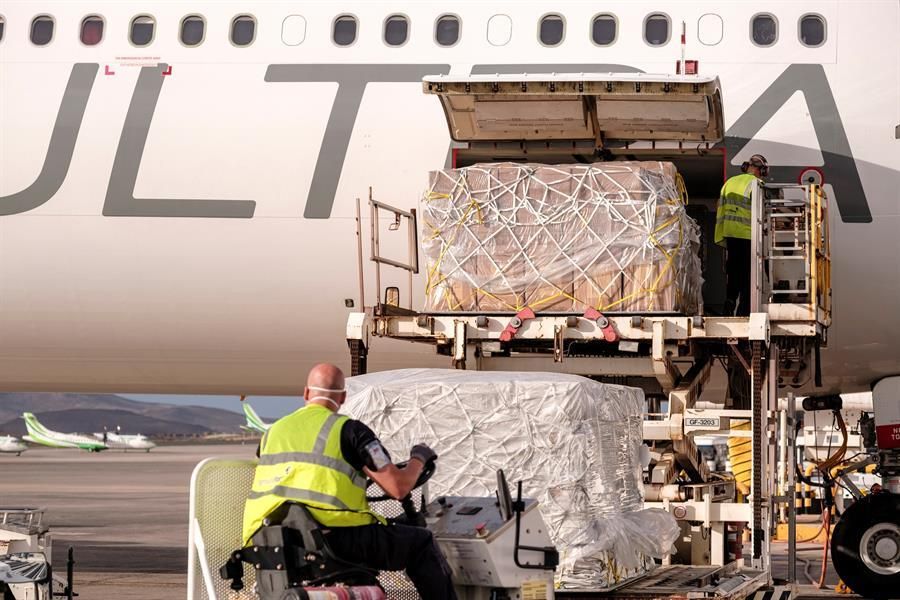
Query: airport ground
[(126, 515)]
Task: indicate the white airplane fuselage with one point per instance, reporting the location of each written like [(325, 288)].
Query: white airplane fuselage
[(12, 445), (181, 219), (120, 441)]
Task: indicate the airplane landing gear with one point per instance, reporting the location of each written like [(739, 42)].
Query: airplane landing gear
[(865, 547)]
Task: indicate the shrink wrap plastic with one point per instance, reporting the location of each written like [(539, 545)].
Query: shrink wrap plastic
[(574, 442), (613, 236)]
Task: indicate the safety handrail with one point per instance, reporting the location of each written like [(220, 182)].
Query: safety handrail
[(375, 256), (790, 230)]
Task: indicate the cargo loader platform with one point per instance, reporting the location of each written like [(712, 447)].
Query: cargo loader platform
[(580, 255), (670, 356)]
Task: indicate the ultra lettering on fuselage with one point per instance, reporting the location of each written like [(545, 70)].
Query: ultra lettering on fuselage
[(179, 216)]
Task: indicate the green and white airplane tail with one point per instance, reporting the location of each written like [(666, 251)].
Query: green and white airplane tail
[(39, 434), (254, 422), (37, 431)]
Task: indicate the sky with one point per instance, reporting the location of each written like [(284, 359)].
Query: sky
[(268, 407)]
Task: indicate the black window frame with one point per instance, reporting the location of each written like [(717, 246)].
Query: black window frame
[(650, 17), (437, 22), (92, 18), (241, 18), (43, 18), (345, 17), (184, 20), (133, 22), (777, 29), (606, 16), (384, 29), (546, 18), (821, 19)]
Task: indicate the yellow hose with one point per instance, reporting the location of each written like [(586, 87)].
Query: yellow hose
[(740, 452)]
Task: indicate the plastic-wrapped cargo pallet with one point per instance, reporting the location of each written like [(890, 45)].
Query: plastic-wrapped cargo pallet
[(574, 442), (614, 236)]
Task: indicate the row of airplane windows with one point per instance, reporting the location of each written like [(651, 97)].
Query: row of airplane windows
[(657, 29)]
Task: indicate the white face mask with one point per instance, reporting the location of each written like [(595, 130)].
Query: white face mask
[(330, 401)]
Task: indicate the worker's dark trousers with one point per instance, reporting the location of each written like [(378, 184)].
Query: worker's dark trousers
[(394, 548), (737, 275)]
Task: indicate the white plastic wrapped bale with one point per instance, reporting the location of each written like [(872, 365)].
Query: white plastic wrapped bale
[(612, 236), (574, 442)]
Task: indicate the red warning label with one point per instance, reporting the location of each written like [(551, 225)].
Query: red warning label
[(888, 436)]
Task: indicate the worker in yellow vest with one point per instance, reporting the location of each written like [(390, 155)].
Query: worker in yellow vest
[(733, 231), (319, 458)]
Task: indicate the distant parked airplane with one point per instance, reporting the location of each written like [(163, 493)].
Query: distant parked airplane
[(254, 422), (121, 441), (38, 434), (12, 445)]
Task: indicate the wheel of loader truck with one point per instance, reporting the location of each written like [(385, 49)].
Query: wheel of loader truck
[(865, 546)]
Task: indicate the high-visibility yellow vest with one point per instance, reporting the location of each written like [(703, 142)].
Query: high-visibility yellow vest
[(733, 216), (300, 460)]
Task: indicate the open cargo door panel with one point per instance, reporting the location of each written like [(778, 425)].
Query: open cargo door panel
[(605, 110)]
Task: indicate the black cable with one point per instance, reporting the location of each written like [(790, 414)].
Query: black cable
[(860, 453)]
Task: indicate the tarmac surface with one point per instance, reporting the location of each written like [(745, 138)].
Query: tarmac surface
[(126, 515)]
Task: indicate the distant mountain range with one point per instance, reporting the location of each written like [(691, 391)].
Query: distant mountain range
[(88, 413)]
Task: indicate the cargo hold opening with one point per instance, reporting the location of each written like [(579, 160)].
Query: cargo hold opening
[(591, 118)]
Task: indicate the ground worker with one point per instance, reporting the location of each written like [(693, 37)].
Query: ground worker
[(317, 458), (733, 231)]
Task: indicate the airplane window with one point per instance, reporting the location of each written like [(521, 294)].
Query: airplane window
[(193, 28), (243, 30), (91, 30), (142, 29), (764, 30), (293, 30), (710, 29), (396, 30), (552, 30), (344, 32), (656, 29), (604, 30), (812, 30), (2, 27), (499, 30), (41, 30), (446, 30)]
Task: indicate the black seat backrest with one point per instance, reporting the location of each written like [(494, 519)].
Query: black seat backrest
[(296, 517), (291, 548)]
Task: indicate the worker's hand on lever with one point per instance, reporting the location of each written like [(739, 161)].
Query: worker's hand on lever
[(399, 480), (423, 453)]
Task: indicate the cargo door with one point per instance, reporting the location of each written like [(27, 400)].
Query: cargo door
[(602, 110)]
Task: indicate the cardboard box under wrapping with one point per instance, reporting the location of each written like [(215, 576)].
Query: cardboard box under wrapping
[(613, 236)]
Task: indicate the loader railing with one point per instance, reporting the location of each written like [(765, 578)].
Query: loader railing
[(791, 270)]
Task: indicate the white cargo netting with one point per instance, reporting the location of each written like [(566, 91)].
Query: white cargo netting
[(574, 442), (612, 236)]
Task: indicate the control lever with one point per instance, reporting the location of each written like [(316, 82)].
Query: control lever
[(551, 556), (504, 499), (412, 516)]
